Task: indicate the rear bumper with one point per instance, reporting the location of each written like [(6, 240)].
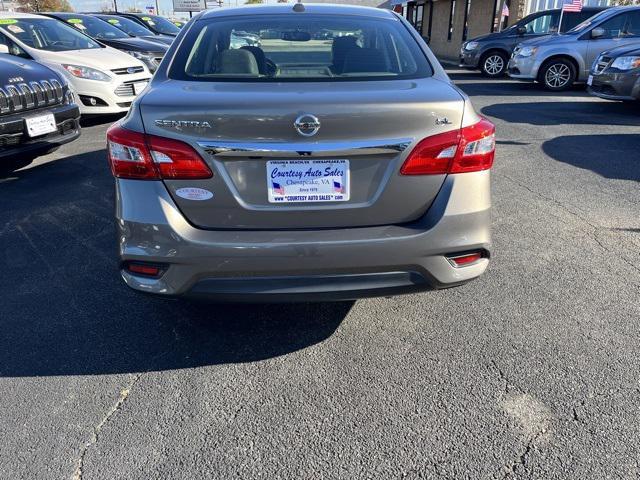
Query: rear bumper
[(14, 140), (327, 264), (616, 86)]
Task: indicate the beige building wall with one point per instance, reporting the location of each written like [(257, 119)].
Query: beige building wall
[(479, 22)]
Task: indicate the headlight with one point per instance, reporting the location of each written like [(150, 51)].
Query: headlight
[(527, 51), (626, 63), (87, 72), (148, 58), (471, 46)]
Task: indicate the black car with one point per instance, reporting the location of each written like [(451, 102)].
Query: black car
[(37, 111), (615, 75), (490, 53), (148, 52), (133, 28), (158, 25)]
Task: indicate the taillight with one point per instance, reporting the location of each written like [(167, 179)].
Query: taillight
[(470, 149), (147, 157)]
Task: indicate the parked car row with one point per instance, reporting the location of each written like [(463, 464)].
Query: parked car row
[(602, 51), (56, 66)]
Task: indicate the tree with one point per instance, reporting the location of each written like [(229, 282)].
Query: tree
[(253, 2), (45, 6)]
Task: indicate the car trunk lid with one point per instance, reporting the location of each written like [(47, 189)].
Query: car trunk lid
[(246, 132)]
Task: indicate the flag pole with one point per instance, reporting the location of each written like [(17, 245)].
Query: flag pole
[(561, 14)]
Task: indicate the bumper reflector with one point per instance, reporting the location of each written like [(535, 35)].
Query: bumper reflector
[(465, 259), (145, 269)]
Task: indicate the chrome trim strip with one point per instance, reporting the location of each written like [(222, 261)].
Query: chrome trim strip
[(296, 150)]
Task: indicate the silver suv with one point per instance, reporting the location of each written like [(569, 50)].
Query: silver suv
[(558, 61), (315, 166)]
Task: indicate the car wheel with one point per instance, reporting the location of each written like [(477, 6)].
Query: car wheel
[(558, 75), (494, 64)]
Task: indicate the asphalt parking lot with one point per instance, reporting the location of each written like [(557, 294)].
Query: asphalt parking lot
[(532, 371)]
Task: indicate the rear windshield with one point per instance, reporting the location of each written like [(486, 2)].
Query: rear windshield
[(300, 47)]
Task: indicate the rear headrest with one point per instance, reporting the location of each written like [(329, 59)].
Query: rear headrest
[(341, 46), (364, 60), (237, 61), (261, 59)]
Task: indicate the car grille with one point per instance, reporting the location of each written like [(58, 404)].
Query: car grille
[(601, 64), (27, 96), (126, 88), (127, 70)]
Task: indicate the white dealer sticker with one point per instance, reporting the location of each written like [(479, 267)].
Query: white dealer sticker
[(192, 193)]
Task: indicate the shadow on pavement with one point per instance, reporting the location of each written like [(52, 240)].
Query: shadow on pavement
[(606, 155), (65, 310), (569, 113), (87, 121)]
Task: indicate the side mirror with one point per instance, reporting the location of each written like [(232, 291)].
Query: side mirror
[(426, 39), (521, 30), (4, 48), (597, 32)]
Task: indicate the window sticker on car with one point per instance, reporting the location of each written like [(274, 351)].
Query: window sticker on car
[(7, 21), (113, 21), (146, 19), (75, 20), (15, 29)]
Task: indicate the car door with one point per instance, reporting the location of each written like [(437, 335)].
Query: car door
[(614, 36)]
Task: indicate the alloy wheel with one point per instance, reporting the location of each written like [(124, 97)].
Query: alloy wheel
[(494, 64), (557, 75)]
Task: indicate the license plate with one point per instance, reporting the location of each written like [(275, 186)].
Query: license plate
[(41, 125), (138, 87), (590, 80), (308, 181)]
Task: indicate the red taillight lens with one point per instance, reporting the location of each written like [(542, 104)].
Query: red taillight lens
[(467, 259), (147, 157), (470, 149), (145, 269)]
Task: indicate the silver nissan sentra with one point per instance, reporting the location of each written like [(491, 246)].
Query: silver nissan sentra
[(331, 159)]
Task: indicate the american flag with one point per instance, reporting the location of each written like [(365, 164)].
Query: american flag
[(505, 10), (277, 188), (337, 187), (571, 5)]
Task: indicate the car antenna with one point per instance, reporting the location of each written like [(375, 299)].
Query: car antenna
[(298, 7)]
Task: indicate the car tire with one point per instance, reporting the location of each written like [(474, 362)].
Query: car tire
[(493, 64), (558, 75)]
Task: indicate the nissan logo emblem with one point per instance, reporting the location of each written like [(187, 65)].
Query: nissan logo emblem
[(307, 125)]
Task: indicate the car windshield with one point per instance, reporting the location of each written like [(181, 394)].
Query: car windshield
[(588, 22), (46, 34), (294, 48), (95, 27), (130, 27), (160, 24)]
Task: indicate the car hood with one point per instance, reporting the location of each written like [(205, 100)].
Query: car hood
[(623, 50), (14, 67), (488, 36), (163, 39), (135, 44), (103, 59), (554, 39)]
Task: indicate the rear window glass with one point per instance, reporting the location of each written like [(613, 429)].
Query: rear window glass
[(305, 47)]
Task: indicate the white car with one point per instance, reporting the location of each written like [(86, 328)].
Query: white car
[(105, 80)]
